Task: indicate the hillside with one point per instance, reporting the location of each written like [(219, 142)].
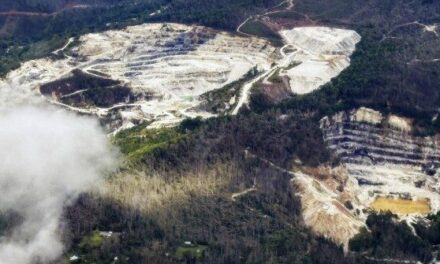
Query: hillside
[(250, 131), (127, 76)]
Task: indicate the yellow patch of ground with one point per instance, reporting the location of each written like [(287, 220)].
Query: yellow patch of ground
[(401, 206)]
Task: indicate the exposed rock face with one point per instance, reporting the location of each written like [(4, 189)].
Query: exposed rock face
[(376, 147), (324, 204), (166, 66), (176, 60), (382, 166), (161, 73), (323, 52), (323, 40), (382, 155)]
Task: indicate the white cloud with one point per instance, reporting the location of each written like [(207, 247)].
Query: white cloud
[(47, 158)]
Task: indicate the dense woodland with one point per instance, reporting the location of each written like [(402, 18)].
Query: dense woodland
[(264, 226), (389, 238), (48, 6), (394, 68)]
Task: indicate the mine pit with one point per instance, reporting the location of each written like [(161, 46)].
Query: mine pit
[(167, 68)]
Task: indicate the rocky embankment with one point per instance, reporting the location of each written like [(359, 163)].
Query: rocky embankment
[(383, 167), (376, 147)]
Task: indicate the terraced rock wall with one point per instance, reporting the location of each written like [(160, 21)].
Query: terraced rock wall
[(366, 138), (383, 167), (384, 157), (163, 73)]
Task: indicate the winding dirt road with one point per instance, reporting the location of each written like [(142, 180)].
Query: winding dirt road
[(246, 89)]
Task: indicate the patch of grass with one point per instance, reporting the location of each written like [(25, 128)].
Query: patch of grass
[(139, 141), (94, 240)]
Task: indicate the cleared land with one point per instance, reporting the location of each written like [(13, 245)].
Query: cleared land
[(401, 206), (160, 72)]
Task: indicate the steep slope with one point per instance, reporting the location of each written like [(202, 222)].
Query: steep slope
[(380, 151), (326, 204), (248, 217), (221, 187), (383, 167)]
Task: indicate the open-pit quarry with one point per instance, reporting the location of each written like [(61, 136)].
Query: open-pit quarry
[(383, 167), (158, 73), (321, 54), (385, 159), (161, 73)]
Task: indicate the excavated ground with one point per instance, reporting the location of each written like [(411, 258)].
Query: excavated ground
[(383, 156), (322, 52), (384, 167), (160, 72)]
